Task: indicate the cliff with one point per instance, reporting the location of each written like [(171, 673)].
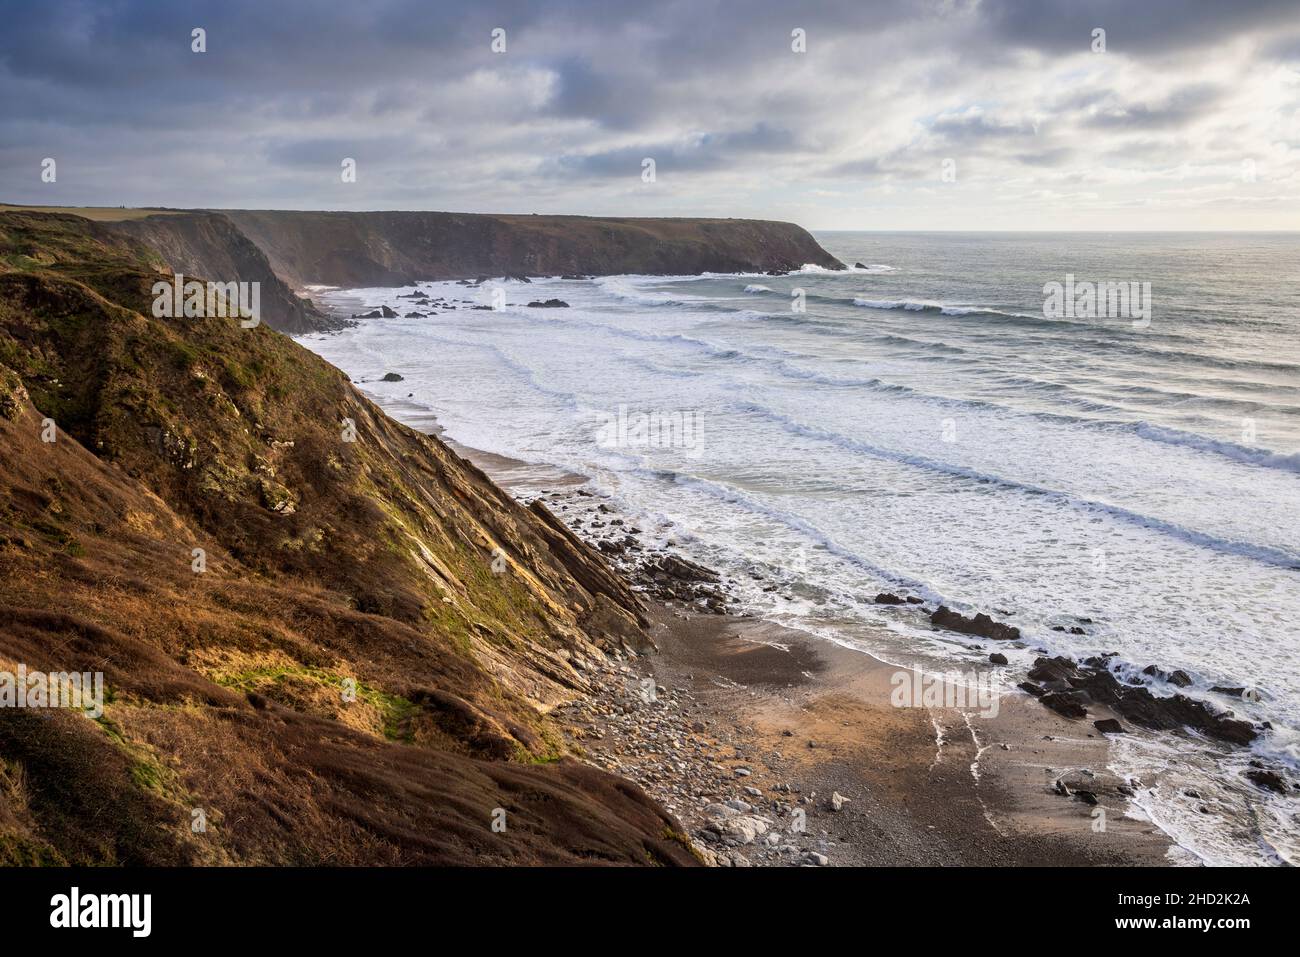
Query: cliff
[(398, 248), (210, 245), (286, 251), (324, 632)]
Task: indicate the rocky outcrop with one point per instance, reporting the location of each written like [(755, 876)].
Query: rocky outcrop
[(398, 248), (1070, 688), (981, 625)]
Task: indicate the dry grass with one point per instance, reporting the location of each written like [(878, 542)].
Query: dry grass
[(224, 687)]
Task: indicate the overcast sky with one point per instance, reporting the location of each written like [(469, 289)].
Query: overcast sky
[(1190, 118)]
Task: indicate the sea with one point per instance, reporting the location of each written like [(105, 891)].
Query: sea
[(953, 418)]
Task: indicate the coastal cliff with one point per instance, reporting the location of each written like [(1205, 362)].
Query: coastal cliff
[(398, 248), (211, 246), (287, 251), (321, 632)]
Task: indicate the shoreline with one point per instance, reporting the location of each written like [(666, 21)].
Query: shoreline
[(1164, 800), (812, 722), (810, 719)]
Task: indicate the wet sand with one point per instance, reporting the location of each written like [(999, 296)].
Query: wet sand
[(935, 786)]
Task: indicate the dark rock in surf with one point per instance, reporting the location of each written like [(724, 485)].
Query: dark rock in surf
[(1267, 779), (981, 625), (888, 598), (677, 567), (1135, 703), (1066, 703), (1109, 726), (548, 304)]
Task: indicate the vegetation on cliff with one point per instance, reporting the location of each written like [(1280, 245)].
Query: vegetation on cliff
[(326, 632)]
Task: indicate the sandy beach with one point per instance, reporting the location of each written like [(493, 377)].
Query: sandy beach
[(742, 728), (810, 720)]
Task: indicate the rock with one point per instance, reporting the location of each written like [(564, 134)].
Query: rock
[(888, 598), (1067, 703), (677, 567), (548, 304), (1134, 702), (859, 266), (815, 859), (981, 625), (1231, 692), (392, 377), (997, 658), (722, 810), (387, 313), (742, 772), (753, 792), (838, 801), (1180, 679), (1267, 779), (743, 828), (1109, 726), (1032, 688), (1087, 797)]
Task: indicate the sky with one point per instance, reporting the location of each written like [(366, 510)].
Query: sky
[(870, 114)]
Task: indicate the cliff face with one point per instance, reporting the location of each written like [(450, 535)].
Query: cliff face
[(286, 251), (323, 629), (209, 245), (397, 248)]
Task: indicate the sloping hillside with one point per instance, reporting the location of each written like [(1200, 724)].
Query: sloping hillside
[(209, 245), (360, 671)]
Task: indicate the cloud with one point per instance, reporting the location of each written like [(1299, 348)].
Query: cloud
[(736, 120)]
